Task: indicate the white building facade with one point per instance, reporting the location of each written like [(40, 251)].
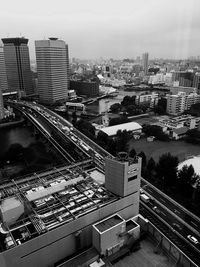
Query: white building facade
[(53, 70), (177, 104)]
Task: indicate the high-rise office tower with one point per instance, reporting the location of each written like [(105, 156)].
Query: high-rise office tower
[(3, 75), (17, 63), (145, 58), (53, 70)]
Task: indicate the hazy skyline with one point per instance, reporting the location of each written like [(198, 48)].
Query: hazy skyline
[(107, 28)]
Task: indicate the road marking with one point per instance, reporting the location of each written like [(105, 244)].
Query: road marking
[(176, 211), (194, 223), (163, 200), (163, 213)]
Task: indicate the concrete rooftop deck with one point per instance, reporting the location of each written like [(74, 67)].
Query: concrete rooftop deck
[(146, 257)]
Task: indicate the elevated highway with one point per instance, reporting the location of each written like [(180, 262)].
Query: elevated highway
[(179, 222)]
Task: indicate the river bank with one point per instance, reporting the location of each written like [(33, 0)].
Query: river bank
[(11, 124)]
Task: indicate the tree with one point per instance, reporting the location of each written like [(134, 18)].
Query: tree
[(154, 130), (144, 161), (154, 70), (197, 193), (122, 139), (85, 127), (160, 108), (195, 110), (150, 169), (111, 147), (132, 153), (166, 169), (102, 137), (193, 136), (74, 118), (15, 152), (186, 179), (115, 108), (128, 100), (131, 109), (119, 120)]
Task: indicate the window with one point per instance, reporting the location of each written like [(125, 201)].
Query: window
[(132, 178)]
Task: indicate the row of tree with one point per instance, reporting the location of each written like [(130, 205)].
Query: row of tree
[(165, 174), (155, 130), (129, 105)]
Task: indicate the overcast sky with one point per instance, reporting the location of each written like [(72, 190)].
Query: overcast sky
[(107, 28)]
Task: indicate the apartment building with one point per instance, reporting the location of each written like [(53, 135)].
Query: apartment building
[(177, 104)]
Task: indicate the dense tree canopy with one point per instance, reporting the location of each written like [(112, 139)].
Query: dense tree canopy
[(132, 153), (128, 101), (115, 108), (193, 136), (160, 108), (122, 139), (85, 127), (195, 110), (150, 169), (186, 178), (15, 152), (116, 121), (144, 161), (166, 169), (154, 130)]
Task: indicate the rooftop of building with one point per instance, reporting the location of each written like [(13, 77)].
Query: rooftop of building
[(16, 40), (176, 122), (109, 223), (147, 256), (181, 130), (124, 157), (49, 200), (129, 126)]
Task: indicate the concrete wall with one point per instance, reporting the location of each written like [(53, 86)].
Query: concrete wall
[(111, 237), (47, 249), (167, 246)]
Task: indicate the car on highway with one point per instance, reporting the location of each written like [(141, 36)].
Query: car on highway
[(193, 239), (155, 208), (177, 227)]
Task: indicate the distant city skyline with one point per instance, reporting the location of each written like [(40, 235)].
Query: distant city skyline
[(108, 29)]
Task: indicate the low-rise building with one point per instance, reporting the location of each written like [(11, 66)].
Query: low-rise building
[(179, 133), (188, 90), (150, 99), (132, 127), (88, 88)]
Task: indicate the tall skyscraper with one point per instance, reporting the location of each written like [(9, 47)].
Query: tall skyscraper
[(53, 70), (3, 75), (145, 58), (17, 63)]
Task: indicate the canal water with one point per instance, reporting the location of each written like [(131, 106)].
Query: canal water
[(21, 135), (104, 104)]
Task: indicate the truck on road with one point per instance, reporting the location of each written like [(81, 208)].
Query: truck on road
[(144, 198)]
